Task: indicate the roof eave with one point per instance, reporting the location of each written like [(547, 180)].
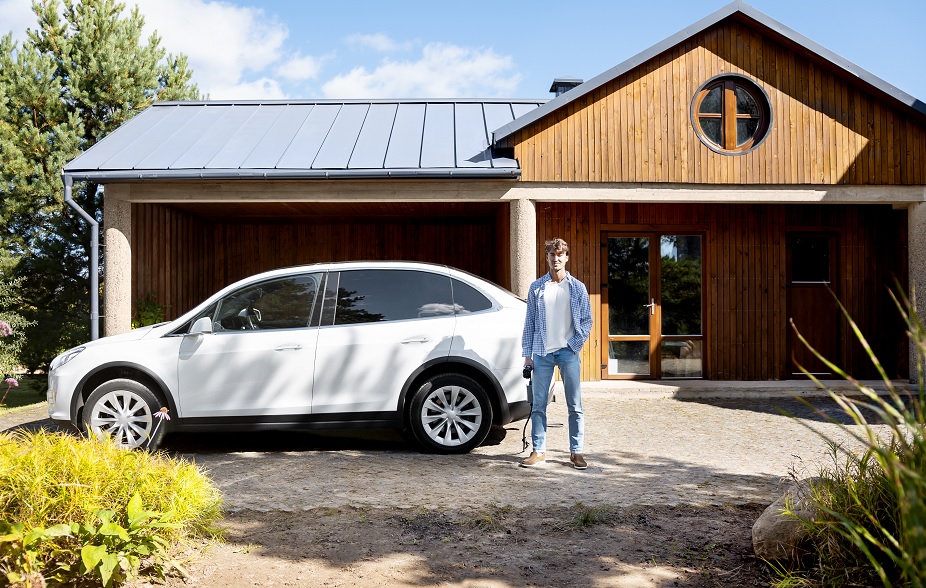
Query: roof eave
[(106, 176)]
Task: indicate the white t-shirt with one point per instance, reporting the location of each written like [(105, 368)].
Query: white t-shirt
[(559, 314)]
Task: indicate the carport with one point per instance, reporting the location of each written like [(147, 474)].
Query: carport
[(200, 194)]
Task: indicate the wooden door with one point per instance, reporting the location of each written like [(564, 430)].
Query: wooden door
[(811, 275)]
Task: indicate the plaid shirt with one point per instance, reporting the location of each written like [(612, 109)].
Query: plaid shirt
[(534, 338)]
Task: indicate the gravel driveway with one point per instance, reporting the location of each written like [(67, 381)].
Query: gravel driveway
[(641, 451)]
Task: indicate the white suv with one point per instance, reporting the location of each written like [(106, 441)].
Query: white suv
[(411, 346)]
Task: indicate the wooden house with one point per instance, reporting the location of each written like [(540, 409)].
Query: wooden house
[(713, 189)]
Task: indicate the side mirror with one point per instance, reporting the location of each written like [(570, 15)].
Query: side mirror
[(201, 326)]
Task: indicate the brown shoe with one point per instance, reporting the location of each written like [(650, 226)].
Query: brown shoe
[(578, 462), (533, 459)]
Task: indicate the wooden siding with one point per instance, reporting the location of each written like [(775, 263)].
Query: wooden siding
[(825, 128), (744, 281), (183, 259)]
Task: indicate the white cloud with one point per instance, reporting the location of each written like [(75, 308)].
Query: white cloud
[(378, 42), (224, 43), (15, 17), (300, 68), (262, 89), (444, 71)]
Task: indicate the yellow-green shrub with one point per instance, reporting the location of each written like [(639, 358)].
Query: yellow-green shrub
[(49, 479)]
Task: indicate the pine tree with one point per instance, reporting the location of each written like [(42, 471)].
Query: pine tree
[(78, 76)]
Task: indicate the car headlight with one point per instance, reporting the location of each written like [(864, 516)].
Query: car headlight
[(66, 357)]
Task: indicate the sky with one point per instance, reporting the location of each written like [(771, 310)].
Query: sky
[(291, 49)]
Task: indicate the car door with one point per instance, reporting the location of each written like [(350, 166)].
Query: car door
[(259, 358), (378, 327)]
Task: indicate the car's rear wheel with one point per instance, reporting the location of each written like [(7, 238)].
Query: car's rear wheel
[(450, 413), (124, 410)]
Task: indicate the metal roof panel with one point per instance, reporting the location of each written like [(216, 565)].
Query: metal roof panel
[(472, 142), (405, 144), (370, 150), (226, 123), (267, 153), (197, 120), (130, 133), (240, 145), (305, 145), (437, 144), (335, 152)]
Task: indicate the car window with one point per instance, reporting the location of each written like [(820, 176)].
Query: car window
[(468, 299), (365, 296), (284, 303)]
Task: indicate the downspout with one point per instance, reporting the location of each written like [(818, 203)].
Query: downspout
[(94, 257)]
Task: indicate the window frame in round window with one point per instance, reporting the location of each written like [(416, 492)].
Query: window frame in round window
[(732, 82)]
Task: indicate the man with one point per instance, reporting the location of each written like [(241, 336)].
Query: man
[(559, 320)]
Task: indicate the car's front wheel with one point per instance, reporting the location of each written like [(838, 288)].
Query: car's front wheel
[(450, 413), (125, 411)]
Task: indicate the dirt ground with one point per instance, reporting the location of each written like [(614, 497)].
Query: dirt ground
[(672, 491), (495, 547)]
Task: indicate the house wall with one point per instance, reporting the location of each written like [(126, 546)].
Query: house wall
[(183, 258), (825, 129), (744, 281)]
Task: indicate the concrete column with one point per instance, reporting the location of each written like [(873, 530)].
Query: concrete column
[(916, 260), (523, 245), (117, 256)]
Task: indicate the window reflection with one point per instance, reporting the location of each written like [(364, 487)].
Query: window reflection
[(365, 296), (681, 284)]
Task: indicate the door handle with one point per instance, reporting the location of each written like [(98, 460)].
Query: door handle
[(288, 347), (651, 305), (420, 339)]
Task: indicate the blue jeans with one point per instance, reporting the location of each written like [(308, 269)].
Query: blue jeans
[(570, 370)]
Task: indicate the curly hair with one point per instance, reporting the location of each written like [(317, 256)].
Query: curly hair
[(556, 245)]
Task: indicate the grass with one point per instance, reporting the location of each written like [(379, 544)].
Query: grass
[(31, 391), (870, 521)]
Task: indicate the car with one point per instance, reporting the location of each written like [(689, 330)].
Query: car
[(426, 349)]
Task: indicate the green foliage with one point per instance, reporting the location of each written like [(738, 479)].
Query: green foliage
[(11, 345), (105, 549), (74, 507), (871, 521), (53, 478), (148, 311), (82, 72)]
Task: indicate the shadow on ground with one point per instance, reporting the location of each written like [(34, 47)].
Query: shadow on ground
[(820, 409), (529, 546)]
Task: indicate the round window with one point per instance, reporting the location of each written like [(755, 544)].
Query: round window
[(731, 114)]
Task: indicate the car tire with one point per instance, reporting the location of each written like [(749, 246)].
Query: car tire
[(450, 413), (125, 411)]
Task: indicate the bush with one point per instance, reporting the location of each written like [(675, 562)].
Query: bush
[(871, 504), (11, 327), (75, 507)]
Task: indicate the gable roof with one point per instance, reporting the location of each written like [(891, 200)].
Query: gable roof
[(736, 9), (319, 139)]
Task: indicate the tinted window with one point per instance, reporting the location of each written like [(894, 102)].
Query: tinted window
[(284, 303), (810, 259), (468, 299), (367, 296)]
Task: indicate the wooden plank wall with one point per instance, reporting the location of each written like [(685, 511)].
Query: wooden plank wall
[(183, 260), (745, 275), (637, 128)]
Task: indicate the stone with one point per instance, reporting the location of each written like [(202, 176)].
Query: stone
[(777, 536)]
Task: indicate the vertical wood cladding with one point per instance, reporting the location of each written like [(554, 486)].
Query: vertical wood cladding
[(744, 280), (637, 128), (183, 259)]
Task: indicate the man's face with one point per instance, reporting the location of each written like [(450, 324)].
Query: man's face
[(557, 260)]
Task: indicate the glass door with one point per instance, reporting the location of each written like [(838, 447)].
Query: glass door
[(653, 304)]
